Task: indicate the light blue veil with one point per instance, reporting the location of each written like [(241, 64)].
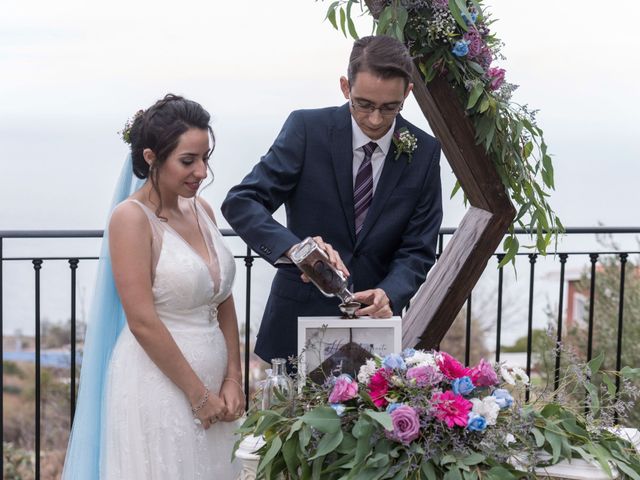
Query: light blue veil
[(106, 319)]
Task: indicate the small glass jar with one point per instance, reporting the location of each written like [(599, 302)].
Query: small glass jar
[(278, 387)]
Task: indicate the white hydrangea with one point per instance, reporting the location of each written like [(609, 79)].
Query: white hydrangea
[(366, 371), (487, 407), (506, 375), (421, 359)]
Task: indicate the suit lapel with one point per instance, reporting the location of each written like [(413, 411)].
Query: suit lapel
[(341, 140), (391, 173)]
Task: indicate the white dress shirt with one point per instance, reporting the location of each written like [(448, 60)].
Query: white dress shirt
[(359, 139)]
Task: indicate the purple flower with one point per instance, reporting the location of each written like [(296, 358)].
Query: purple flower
[(476, 423), (406, 424), (475, 42), (485, 58), (496, 77), (442, 4), (426, 376), (462, 386), (344, 389), (484, 375), (503, 397), (394, 361), (460, 48)]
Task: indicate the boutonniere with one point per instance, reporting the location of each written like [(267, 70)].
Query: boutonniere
[(405, 142)]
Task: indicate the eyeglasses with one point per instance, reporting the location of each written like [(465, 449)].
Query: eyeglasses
[(368, 108)]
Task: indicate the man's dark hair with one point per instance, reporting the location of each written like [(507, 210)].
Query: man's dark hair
[(382, 56)]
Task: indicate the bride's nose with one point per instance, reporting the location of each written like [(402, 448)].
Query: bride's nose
[(201, 170)]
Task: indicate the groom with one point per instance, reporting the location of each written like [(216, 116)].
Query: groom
[(335, 170)]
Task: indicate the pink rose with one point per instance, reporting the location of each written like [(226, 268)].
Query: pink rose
[(406, 424), (484, 375), (344, 389), (378, 388), (450, 367), (496, 77), (451, 409), (426, 376)]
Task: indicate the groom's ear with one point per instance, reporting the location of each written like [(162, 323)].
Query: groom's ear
[(148, 156), (345, 87), (409, 88)]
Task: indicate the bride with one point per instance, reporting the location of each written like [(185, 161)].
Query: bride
[(166, 399)]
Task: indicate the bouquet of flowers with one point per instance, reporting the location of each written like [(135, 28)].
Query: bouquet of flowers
[(424, 415)]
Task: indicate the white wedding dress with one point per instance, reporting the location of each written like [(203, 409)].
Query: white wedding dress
[(150, 432)]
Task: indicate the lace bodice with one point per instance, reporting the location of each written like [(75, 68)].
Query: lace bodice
[(186, 289)]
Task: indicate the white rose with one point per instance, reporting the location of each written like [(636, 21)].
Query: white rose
[(487, 407)]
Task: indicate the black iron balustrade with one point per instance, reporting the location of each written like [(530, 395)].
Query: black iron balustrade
[(249, 257)]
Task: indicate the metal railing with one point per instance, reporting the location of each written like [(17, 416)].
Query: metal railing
[(248, 257)]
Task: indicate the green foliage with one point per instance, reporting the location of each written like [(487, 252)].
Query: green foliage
[(507, 131), (17, 463), (315, 443)]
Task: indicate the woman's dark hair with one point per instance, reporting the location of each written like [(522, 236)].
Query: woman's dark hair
[(159, 128), (382, 56)]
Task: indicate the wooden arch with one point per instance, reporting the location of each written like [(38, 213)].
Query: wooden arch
[(465, 257)]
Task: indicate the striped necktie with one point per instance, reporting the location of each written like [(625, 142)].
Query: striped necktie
[(363, 189)]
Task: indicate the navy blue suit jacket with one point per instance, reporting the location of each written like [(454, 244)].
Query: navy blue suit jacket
[(309, 170)]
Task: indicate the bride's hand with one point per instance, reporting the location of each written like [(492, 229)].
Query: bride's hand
[(212, 411), (233, 396)]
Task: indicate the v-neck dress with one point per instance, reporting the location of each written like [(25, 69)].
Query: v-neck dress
[(149, 428)]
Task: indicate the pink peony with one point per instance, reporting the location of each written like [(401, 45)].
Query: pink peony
[(450, 367), (344, 389), (426, 376), (496, 77), (451, 409), (484, 375), (406, 424), (378, 388)]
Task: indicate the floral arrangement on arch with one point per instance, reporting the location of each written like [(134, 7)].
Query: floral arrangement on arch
[(424, 415), (453, 39)]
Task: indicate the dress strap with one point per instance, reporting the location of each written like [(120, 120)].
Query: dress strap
[(158, 228)]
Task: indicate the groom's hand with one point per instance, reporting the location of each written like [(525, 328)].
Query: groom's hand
[(334, 257), (378, 303)]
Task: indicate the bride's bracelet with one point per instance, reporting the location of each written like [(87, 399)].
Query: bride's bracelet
[(234, 381), (201, 403)]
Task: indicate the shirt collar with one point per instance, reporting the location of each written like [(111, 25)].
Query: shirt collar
[(359, 139)]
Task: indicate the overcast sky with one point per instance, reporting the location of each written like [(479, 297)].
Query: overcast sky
[(72, 72)]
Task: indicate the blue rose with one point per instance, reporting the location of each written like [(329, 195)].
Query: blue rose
[(463, 386), (476, 423), (408, 352), (393, 406), (394, 361), (461, 48), (503, 397), (339, 408)]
